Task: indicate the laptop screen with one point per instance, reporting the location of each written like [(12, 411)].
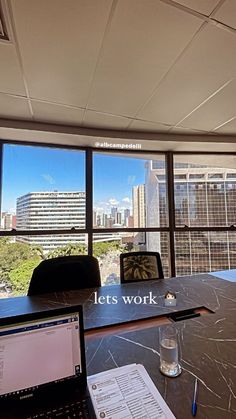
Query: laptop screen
[(38, 352)]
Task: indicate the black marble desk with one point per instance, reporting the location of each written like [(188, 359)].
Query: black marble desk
[(207, 351), (207, 343), (192, 292)]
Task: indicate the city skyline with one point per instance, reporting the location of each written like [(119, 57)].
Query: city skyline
[(114, 216), (27, 169), (204, 196)]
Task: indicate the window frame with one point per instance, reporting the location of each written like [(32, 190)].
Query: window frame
[(171, 229)]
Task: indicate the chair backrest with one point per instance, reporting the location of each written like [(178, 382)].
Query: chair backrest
[(65, 273), (140, 266)]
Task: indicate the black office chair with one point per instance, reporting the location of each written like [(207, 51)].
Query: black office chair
[(140, 266), (65, 273)]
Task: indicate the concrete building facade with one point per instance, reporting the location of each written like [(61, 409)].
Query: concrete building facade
[(51, 211), (205, 196), (139, 212)]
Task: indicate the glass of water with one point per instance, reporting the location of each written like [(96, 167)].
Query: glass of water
[(169, 356)]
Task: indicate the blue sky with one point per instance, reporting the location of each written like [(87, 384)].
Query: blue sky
[(27, 169)]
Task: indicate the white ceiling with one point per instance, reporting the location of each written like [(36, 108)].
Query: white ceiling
[(157, 66)]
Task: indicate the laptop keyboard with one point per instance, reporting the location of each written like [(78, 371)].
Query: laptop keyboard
[(73, 410)]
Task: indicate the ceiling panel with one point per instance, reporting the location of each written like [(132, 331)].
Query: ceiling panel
[(14, 107), (228, 128), (227, 13), (140, 65), (59, 43), (202, 6), (49, 112), (215, 111), (209, 62), (148, 126), (11, 80), (139, 48), (101, 120)]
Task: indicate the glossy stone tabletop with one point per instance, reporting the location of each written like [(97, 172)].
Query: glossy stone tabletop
[(207, 343), (192, 291), (207, 351)]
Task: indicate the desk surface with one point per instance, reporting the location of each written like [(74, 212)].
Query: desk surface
[(192, 292), (207, 343)]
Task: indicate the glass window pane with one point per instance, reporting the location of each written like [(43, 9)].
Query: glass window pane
[(183, 263), (43, 188), (108, 246), (207, 195), (159, 242), (198, 252), (20, 255), (129, 191), (230, 192), (232, 249)]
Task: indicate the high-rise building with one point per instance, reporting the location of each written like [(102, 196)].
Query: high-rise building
[(51, 211), (139, 206), (139, 212), (130, 221), (99, 220), (113, 212), (126, 213), (118, 218), (110, 222), (205, 196), (126, 216), (95, 218), (104, 220), (8, 221)]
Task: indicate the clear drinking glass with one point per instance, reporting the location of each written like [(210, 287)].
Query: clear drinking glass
[(169, 356)]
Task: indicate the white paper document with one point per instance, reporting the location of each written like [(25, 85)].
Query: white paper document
[(127, 393)]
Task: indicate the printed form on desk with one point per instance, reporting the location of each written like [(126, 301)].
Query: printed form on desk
[(127, 393)]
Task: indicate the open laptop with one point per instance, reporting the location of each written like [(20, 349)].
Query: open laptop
[(42, 366)]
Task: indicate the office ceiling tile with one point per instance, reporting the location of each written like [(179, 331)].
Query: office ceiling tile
[(205, 7), (14, 107), (228, 128), (209, 62), (11, 80), (140, 65), (100, 120), (50, 112), (215, 111), (138, 51), (227, 13), (148, 126), (60, 43)]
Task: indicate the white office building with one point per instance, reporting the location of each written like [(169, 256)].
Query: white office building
[(51, 211), (139, 212), (204, 197)]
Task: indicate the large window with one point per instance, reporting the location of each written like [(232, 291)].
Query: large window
[(181, 205), (129, 191), (20, 255), (43, 188), (205, 194), (108, 247), (205, 197)]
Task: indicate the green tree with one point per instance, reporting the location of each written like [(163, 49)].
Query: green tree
[(12, 255), (20, 276), (70, 249), (102, 248)]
